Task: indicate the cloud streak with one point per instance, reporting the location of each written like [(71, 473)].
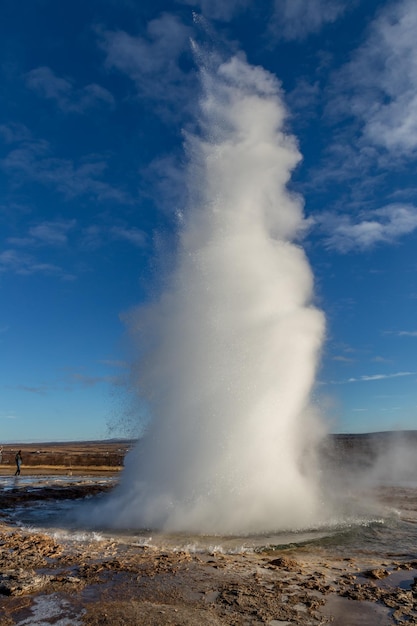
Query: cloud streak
[(296, 19), (371, 378), (48, 233), (62, 91), (402, 333), (345, 233), (61, 234), (23, 264)]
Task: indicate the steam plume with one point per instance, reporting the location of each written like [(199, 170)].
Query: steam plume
[(230, 348)]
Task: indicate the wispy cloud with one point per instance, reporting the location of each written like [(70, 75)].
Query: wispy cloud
[(296, 19), (379, 85), (90, 381), (152, 60), (345, 233), (380, 359), (7, 416), (23, 264), (369, 378), (373, 377), (35, 389), (80, 378), (22, 256), (132, 235), (97, 235), (69, 382), (115, 363), (63, 91), (14, 133), (303, 99), (163, 180), (52, 233), (46, 233), (33, 160), (402, 333)]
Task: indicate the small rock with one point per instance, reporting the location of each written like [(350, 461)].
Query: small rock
[(284, 562), (376, 574), (22, 582)]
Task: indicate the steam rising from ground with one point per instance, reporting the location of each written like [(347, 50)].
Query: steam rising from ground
[(230, 349)]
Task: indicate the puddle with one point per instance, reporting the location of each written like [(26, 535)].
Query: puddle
[(46, 610), (347, 612), (403, 579)]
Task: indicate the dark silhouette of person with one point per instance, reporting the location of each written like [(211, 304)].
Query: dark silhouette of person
[(18, 459)]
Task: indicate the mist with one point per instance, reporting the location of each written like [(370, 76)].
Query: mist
[(363, 462), (230, 347)]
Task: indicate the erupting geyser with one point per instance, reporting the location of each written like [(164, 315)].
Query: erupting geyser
[(230, 349)]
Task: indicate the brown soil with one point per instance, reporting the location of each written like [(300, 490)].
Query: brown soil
[(77, 457), (108, 582)]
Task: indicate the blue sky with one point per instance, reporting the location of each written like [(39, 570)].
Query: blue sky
[(94, 104)]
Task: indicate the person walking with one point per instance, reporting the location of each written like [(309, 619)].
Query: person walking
[(18, 459)]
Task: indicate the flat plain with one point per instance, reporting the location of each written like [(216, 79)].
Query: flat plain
[(77, 457)]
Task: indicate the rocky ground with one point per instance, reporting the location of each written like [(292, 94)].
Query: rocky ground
[(108, 582)]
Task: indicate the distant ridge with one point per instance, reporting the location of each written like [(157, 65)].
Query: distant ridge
[(69, 442)]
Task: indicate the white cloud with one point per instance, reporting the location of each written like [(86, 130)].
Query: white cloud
[(344, 233), (152, 61), (379, 85), (296, 19), (68, 98)]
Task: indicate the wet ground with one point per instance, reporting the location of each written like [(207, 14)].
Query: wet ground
[(65, 577)]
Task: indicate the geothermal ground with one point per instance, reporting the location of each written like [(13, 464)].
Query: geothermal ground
[(91, 579), (100, 581)]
